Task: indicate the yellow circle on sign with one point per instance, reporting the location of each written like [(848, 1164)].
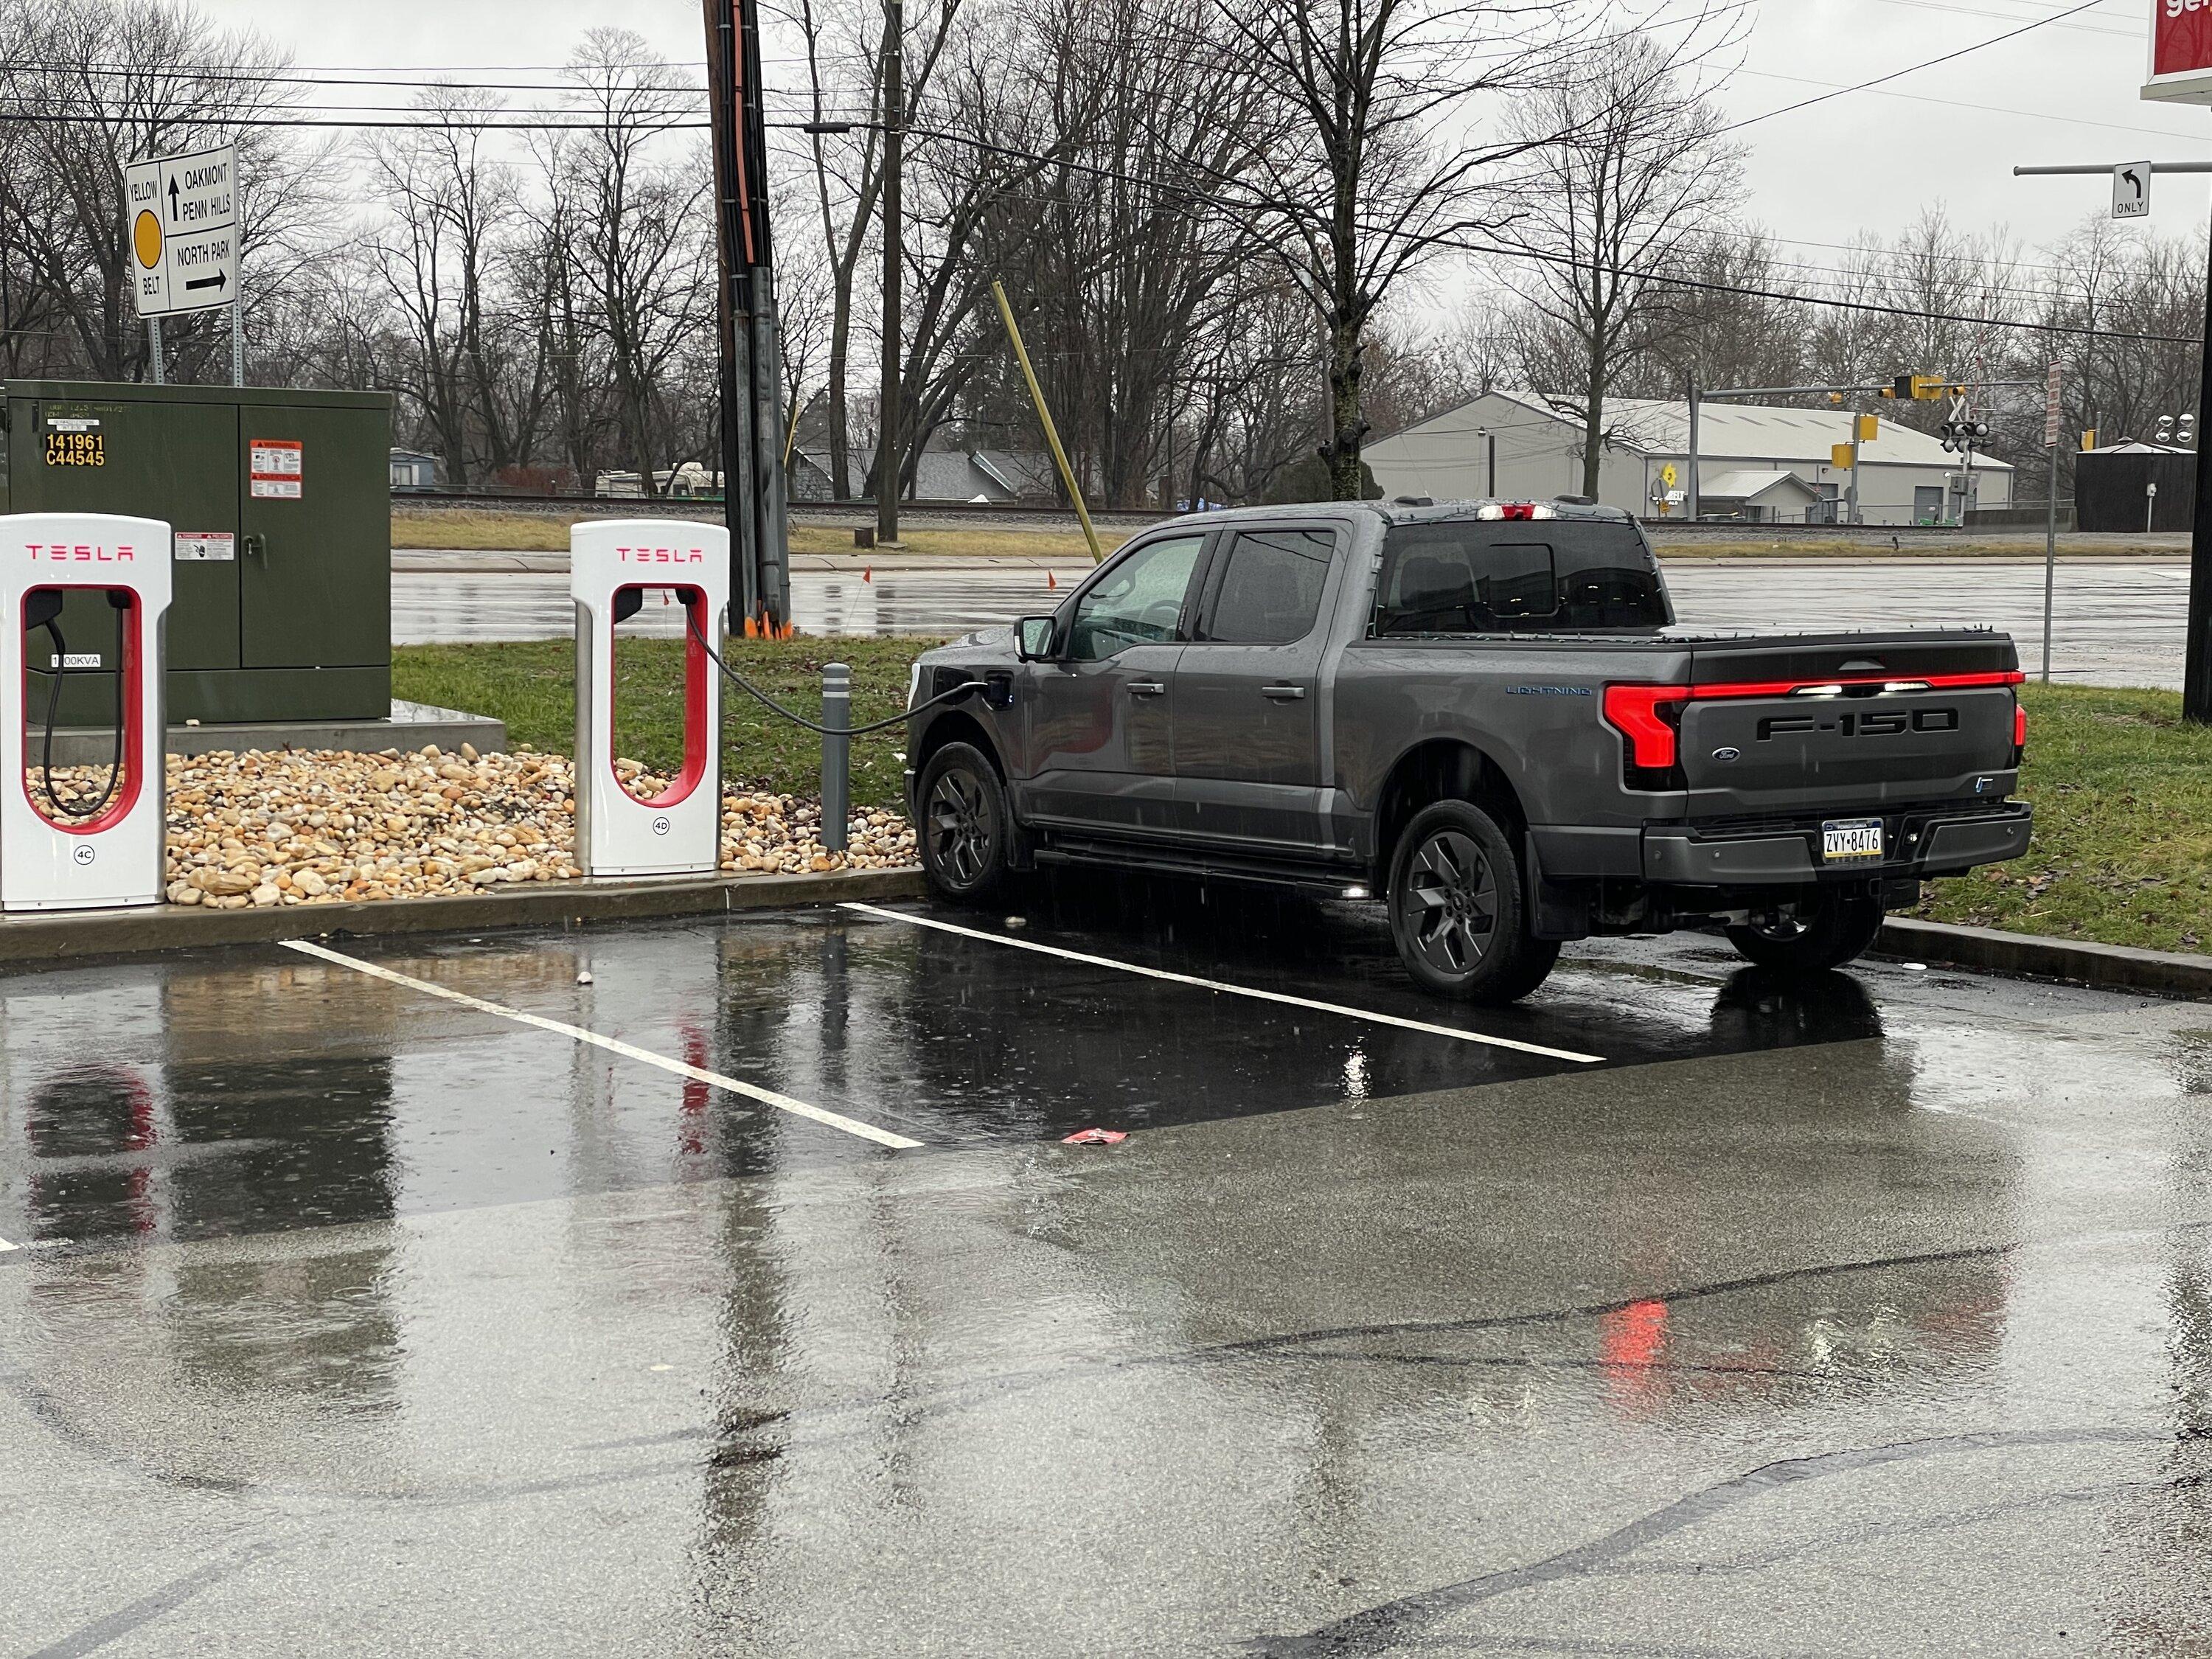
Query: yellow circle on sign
[(146, 237)]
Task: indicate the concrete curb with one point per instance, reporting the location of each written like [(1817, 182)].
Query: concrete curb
[(82, 933), (2108, 967)]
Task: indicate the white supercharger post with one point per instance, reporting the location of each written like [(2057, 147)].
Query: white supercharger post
[(612, 568), (115, 856)]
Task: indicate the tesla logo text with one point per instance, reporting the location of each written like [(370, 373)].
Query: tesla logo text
[(1881, 723), (661, 554)]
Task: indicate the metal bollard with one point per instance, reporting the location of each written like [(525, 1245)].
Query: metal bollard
[(836, 755)]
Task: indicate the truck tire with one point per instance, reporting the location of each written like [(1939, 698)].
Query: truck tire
[(1458, 911), (965, 827), (1840, 929)]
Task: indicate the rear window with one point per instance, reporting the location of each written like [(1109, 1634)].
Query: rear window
[(1517, 576)]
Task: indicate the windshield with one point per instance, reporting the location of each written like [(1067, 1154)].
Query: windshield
[(1541, 576)]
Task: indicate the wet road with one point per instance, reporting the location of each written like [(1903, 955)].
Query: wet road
[(1679, 1311), (2117, 623)]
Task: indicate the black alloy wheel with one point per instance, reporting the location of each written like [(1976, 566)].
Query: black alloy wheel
[(963, 822), (1456, 910), (1448, 907)]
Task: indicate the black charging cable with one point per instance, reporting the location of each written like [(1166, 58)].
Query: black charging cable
[(42, 609), (691, 621)]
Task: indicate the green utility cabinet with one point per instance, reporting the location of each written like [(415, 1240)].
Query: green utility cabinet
[(281, 503)]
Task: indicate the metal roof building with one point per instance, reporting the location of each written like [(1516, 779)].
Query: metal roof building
[(1905, 477)]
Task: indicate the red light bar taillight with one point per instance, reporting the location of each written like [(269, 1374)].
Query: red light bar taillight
[(1646, 716), (1650, 716)]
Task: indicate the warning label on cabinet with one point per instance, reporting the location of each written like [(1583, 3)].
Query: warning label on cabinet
[(274, 468), (205, 546)]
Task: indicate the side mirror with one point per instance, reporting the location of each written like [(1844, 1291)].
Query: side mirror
[(1033, 639)]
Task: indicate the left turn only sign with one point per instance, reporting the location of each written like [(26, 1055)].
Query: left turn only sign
[(183, 230)]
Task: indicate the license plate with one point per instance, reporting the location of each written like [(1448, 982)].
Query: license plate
[(1845, 839)]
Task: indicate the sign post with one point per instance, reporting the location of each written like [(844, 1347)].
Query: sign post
[(183, 234), (2050, 508)]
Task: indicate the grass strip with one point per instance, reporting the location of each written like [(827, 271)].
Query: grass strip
[(532, 687), (2123, 850)]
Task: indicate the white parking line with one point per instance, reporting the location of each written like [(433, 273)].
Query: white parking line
[(5, 1245), (1233, 990), (629, 1051)]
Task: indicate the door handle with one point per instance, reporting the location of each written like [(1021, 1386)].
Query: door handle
[(257, 547), (1145, 688), (1284, 693)]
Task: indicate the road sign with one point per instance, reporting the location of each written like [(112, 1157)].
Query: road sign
[(2180, 52), (2131, 191), (2050, 411), (184, 230), (1669, 477), (1870, 427), (1842, 457)]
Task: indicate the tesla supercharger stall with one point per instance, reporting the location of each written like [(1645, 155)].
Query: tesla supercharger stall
[(613, 568), (74, 854)]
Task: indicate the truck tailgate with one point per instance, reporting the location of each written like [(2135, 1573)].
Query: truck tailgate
[(1849, 721)]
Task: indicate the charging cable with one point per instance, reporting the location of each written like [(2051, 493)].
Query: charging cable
[(51, 621), (751, 690)]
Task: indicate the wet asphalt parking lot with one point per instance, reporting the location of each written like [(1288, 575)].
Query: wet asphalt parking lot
[(423, 1299)]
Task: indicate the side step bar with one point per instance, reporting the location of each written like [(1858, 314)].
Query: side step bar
[(1322, 881)]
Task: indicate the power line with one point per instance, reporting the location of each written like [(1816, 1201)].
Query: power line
[(1914, 69)]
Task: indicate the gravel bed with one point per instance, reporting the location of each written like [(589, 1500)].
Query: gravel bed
[(329, 826)]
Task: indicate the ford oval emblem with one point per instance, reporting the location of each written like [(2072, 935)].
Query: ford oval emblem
[(1724, 755)]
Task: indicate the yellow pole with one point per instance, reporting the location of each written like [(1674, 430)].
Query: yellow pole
[(1044, 416)]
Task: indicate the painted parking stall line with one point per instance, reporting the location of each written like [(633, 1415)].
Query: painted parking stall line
[(1223, 987), (614, 1045), (5, 1247)]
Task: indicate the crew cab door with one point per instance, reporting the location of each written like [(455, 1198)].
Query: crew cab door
[(1246, 694), (1098, 739)]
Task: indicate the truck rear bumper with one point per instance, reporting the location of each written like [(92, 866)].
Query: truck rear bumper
[(1921, 844)]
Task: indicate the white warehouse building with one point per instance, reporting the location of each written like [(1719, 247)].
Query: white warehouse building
[(1761, 464)]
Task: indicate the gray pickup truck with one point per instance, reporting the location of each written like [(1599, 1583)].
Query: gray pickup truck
[(1481, 713)]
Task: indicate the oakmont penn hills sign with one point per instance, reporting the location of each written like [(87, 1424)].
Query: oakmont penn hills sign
[(183, 231)]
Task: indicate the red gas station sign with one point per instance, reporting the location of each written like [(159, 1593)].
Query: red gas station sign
[(2180, 51)]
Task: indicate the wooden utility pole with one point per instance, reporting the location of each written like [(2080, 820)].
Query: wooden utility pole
[(751, 380), (887, 417)]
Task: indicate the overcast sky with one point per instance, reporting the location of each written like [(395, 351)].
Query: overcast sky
[(2067, 92)]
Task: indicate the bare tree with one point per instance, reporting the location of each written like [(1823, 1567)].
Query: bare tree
[(138, 78), (1372, 166), (1626, 176), (642, 254)]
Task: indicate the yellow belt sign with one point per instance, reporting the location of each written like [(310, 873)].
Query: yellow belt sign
[(146, 237)]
